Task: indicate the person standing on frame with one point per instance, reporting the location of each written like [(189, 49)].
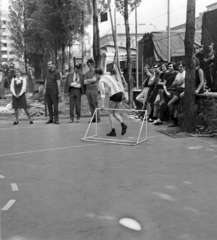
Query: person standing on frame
[(92, 89), (52, 91), (115, 97), (18, 89), (75, 87)]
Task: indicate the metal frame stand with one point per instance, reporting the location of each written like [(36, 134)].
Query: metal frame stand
[(94, 137)]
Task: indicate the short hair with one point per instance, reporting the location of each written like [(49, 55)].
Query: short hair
[(90, 61), (181, 63), (99, 71), (172, 63), (78, 66), (164, 64)]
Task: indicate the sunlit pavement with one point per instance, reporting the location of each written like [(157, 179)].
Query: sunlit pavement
[(56, 187)]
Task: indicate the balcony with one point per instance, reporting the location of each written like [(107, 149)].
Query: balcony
[(5, 56), (4, 48)]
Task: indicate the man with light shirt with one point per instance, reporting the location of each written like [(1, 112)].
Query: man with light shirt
[(75, 87), (115, 97)]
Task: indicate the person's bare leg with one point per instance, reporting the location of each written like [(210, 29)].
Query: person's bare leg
[(173, 100), (16, 113), (28, 114)]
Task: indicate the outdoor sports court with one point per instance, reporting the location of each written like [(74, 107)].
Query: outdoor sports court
[(54, 186)]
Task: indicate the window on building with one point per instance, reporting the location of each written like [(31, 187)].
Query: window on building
[(4, 44), (3, 22)]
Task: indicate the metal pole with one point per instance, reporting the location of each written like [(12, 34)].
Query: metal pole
[(168, 31), (137, 62)]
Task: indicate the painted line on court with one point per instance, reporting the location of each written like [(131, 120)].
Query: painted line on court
[(14, 187), (49, 149), (8, 205), (1, 176)]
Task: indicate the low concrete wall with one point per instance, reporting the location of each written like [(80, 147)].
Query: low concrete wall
[(205, 109)]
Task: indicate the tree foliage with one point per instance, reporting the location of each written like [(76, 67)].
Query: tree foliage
[(125, 7), (42, 29)]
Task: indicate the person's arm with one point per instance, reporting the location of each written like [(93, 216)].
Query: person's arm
[(91, 80), (12, 88), (23, 87), (102, 93), (201, 77), (165, 88), (58, 79), (151, 80), (45, 85)]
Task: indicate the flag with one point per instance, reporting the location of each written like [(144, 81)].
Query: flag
[(104, 16)]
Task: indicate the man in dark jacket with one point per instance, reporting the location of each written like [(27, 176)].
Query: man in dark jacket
[(52, 91), (75, 87)]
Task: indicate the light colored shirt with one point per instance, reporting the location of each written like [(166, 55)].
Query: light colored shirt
[(109, 82), (18, 80), (180, 79)]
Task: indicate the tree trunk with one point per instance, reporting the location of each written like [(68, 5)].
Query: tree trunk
[(189, 113), (70, 58), (63, 59), (129, 63), (96, 40)]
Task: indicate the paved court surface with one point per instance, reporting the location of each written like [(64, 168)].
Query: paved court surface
[(55, 187)]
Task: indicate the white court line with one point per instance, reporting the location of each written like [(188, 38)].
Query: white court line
[(8, 205), (14, 187), (49, 149), (2, 176)]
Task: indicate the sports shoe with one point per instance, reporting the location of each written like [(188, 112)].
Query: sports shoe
[(111, 134), (124, 129), (157, 122), (78, 120)]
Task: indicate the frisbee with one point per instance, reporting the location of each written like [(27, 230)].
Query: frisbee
[(130, 223)]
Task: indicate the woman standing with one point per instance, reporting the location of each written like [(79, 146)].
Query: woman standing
[(18, 89)]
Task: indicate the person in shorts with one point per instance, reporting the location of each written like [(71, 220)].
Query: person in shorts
[(115, 97)]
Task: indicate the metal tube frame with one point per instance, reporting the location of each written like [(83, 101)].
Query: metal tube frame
[(94, 138)]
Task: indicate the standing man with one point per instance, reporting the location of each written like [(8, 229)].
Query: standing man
[(92, 89), (75, 87), (52, 91), (115, 98)]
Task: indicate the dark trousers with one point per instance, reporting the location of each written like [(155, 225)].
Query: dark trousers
[(52, 104), (75, 102), (92, 97)]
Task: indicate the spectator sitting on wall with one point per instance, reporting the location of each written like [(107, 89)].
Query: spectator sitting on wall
[(148, 78), (177, 88), (200, 56), (159, 99), (210, 60), (199, 79), (152, 93)]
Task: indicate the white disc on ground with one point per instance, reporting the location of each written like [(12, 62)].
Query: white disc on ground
[(130, 223)]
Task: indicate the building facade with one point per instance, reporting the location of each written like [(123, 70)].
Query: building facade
[(7, 53)]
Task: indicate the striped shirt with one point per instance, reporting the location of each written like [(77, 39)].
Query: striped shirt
[(111, 83)]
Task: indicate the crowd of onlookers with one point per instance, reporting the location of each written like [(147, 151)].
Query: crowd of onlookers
[(162, 88)]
